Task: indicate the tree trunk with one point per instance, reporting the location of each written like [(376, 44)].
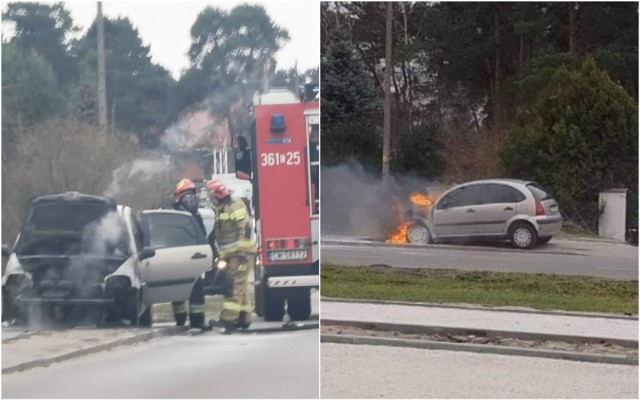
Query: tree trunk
[(572, 28), (387, 98), (497, 76)]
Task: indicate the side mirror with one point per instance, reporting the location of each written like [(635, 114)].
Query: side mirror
[(146, 253), (6, 250), (243, 164), (444, 204)]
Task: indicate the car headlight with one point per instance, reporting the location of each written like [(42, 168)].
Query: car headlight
[(222, 264)]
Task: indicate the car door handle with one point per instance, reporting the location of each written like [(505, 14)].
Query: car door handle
[(471, 210), (508, 208), (198, 255)]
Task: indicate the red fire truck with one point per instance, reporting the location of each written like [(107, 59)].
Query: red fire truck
[(281, 158)]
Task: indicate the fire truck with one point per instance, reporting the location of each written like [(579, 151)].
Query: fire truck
[(281, 159)]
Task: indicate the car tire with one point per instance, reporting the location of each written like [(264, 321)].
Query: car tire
[(523, 235), (544, 240), (299, 309), (146, 319), (418, 233), (132, 308)]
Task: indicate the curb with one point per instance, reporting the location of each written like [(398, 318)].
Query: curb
[(443, 246), (481, 308), (106, 346), (486, 349), (489, 333)]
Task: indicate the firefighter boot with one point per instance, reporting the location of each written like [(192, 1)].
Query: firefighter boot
[(179, 313), (244, 321)]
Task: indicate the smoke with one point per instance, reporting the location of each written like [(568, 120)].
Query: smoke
[(355, 202), (142, 183)]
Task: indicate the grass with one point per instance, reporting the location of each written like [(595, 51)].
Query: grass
[(538, 291)]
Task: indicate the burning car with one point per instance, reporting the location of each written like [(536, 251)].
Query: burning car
[(522, 212), (79, 253)]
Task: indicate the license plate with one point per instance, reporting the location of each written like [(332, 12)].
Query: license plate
[(287, 255)]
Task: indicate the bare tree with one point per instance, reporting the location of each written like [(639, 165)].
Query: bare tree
[(66, 155)]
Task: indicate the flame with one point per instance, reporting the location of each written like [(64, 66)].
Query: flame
[(400, 234), (421, 200)]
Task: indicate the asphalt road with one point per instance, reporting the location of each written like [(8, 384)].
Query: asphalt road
[(278, 365), (360, 371), (610, 260)]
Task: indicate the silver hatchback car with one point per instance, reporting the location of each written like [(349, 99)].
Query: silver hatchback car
[(497, 209)]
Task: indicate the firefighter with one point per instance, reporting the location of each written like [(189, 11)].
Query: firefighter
[(232, 233), (185, 200)]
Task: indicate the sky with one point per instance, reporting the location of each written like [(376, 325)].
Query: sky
[(165, 26)]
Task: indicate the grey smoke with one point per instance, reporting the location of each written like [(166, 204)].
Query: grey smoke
[(355, 202), (127, 179)]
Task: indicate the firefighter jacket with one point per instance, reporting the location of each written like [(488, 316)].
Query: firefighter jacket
[(233, 228)]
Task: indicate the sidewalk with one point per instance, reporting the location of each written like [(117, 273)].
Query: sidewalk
[(484, 318), (46, 347)]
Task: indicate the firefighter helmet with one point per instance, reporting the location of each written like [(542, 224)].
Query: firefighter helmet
[(184, 186), (217, 190)]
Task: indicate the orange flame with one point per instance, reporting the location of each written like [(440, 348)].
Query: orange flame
[(400, 234), (421, 200)]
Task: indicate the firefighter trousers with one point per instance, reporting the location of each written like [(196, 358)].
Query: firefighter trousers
[(237, 309), (196, 307)]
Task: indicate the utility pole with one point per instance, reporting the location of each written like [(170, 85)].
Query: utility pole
[(102, 90), (388, 64)]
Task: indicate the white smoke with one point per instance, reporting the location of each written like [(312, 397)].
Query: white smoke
[(127, 178)]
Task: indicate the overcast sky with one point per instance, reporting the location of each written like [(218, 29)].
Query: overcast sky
[(165, 26)]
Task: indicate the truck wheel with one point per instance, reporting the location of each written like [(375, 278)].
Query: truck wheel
[(273, 308), (258, 298), (299, 309)]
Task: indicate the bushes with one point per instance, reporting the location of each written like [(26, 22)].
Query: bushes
[(583, 140)]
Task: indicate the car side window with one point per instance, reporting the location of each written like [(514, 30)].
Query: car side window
[(464, 196), (172, 230), (495, 193)]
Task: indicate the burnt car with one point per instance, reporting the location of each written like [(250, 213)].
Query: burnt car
[(79, 254)]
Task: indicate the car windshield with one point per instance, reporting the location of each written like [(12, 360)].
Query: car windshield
[(538, 191), (65, 217)]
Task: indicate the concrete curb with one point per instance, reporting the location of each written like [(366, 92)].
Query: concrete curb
[(106, 346), (486, 349), (481, 308), (443, 246), (488, 333)]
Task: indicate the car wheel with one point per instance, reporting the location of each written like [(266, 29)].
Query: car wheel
[(146, 319), (418, 234), (523, 235), (132, 308), (544, 240)]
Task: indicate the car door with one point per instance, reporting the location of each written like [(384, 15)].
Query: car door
[(454, 213), (182, 255), (499, 205)]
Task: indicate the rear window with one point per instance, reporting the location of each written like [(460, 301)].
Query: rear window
[(538, 191), (68, 217)]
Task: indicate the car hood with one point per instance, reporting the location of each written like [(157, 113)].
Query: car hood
[(67, 224)]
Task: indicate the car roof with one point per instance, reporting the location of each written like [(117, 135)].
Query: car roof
[(506, 180)]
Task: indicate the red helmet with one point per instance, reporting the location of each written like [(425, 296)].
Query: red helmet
[(217, 189), (183, 186)]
